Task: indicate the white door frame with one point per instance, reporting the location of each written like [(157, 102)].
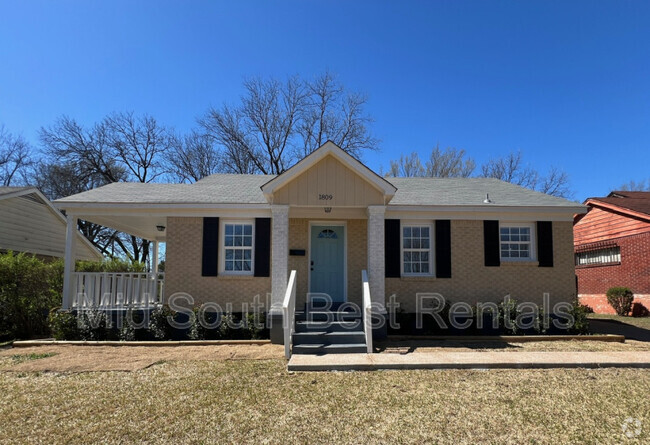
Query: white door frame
[(343, 224)]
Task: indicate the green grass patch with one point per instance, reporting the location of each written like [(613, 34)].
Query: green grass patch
[(20, 358), (639, 322)]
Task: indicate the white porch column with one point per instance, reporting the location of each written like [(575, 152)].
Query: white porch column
[(279, 254), (69, 259), (154, 258), (376, 265)]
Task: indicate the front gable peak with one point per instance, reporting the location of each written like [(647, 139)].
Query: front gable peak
[(329, 176)]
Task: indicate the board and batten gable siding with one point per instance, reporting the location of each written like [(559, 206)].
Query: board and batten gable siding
[(603, 224), (329, 177), (472, 281), (30, 226)]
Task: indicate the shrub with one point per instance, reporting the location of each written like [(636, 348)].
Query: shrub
[(94, 325), (29, 288), (109, 265), (620, 298), (580, 320), (63, 325)]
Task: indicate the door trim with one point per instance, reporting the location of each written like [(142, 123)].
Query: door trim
[(343, 224)]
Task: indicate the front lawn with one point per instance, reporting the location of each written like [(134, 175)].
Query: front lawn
[(249, 401), (639, 322)]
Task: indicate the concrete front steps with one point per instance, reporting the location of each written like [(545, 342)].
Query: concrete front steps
[(328, 332)]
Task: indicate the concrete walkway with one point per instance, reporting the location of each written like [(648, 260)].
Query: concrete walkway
[(469, 360)]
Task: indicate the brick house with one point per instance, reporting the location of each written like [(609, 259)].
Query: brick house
[(612, 248), (330, 225)]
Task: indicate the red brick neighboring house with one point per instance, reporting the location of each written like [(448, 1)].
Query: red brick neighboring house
[(612, 248)]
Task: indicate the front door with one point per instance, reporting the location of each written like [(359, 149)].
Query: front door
[(328, 261)]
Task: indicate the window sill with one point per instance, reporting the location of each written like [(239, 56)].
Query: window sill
[(418, 278), (589, 266), (520, 263), (235, 277)]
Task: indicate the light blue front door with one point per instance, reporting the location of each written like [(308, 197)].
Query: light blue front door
[(327, 262)]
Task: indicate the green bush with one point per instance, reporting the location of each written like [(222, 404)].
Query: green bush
[(29, 288), (109, 265), (620, 298), (63, 325), (580, 320)]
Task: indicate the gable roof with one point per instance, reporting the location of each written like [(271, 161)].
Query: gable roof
[(329, 148), (633, 203), (88, 251)]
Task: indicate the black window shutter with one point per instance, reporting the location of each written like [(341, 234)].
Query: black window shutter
[(443, 248), (392, 255), (210, 263), (491, 243), (545, 243), (262, 247)]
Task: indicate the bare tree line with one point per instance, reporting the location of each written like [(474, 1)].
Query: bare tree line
[(455, 163)]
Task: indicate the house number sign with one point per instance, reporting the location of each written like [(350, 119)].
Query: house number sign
[(325, 197)]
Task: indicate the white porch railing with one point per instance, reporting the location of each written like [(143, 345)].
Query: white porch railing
[(108, 290), (289, 313), (367, 310)]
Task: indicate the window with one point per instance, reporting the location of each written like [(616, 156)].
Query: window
[(416, 249), (599, 256), (237, 248), (516, 241)]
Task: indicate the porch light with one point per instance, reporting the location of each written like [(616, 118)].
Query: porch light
[(160, 228), (328, 210)]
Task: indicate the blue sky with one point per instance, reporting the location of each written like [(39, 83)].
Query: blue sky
[(565, 82)]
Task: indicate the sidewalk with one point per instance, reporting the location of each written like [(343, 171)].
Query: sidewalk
[(469, 360)]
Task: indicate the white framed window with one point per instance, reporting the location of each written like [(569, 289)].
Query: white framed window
[(517, 241), (606, 255), (417, 250), (236, 241)]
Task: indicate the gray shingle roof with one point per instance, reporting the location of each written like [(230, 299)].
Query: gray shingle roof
[(469, 192), (245, 189)]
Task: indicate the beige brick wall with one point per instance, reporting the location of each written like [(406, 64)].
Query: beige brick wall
[(356, 256), (472, 282), (183, 270)]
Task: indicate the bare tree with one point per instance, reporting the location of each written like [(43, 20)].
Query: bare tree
[(331, 113), (15, 158), (193, 157), (407, 166), (122, 147), (636, 186), (511, 168), (450, 163), (277, 123)]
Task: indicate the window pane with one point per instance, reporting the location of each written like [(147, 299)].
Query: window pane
[(230, 254), (407, 256), (247, 265), (237, 265), (248, 229), (238, 229), (407, 243), (424, 256), (248, 241), (229, 229), (416, 232), (229, 265), (425, 243), (247, 254), (415, 244), (229, 241), (425, 267), (425, 232)]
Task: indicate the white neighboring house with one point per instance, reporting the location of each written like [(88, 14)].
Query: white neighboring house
[(30, 223)]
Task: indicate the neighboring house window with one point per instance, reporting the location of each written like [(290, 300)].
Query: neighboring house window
[(599, 256), (416, 249), (237, 242), (517, 241)]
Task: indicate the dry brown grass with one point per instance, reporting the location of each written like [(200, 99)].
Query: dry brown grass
[(496, 346), (251, 401)]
